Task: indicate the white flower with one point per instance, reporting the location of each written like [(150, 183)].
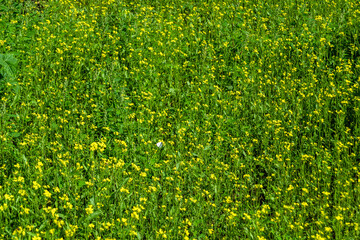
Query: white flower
[(159, 144)]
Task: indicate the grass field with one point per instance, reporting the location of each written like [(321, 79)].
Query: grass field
[(257, 104)]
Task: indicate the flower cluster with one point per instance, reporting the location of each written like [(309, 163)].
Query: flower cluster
[(191, 119)]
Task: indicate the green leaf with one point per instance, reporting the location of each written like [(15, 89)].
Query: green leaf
[(54, 126), (15, 134), (43, 225), (8, 66), (25, 159), (138, 235), (93, 215), (81, 183), (61, 215), (31, 234)]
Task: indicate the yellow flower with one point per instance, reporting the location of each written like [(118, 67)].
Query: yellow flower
[(89, 210), (36, 186), (328, 229), (47, 194), (93, 146)]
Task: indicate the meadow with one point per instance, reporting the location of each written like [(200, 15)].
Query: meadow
[(256, 104)]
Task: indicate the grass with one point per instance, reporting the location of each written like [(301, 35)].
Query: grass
[(256, 104)]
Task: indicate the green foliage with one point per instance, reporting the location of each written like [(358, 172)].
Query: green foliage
[(257, 104), (8, 67)]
